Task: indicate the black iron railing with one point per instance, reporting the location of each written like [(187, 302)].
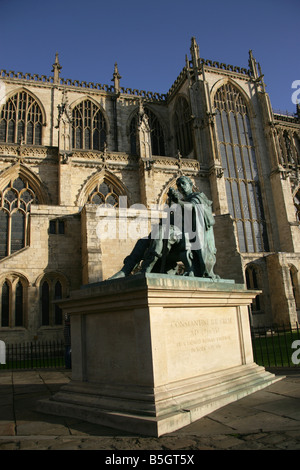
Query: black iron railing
[(273, 346), (32, 355), (276, 345)]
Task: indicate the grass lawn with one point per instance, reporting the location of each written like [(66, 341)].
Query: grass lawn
[(274, 349)]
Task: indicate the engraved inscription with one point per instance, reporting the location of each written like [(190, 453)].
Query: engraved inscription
[(203, 334), (200, 342)]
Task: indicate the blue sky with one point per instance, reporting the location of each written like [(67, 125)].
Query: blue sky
[(149, 39)]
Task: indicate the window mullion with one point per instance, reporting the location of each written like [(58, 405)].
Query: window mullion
[(233, 145), (27, 228), (6, 127), (248, 146), (240, 145), (9, 235), (26, 216), (253, 236), (12, 304), (26, 118), (237, 173), (225, 146), (17, 118)]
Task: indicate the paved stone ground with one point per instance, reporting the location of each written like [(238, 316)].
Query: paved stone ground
[(265, 420)]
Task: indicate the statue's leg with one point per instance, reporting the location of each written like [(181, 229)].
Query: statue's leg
[(152, 255), (160, 248), (134, 258), (154, 252), (199, 264), (187, 259), (171, 265)]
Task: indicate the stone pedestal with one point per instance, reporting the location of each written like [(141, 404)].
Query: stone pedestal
[(153, 353)]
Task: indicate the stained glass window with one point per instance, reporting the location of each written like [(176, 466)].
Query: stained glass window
[(4, 216), (104, 193), (157, 134), (12, 304), (183, 126), (21, 120), (19, 305), (51, 289), (15, 202), (45, 303), (238, 158), (5, 298), (89, 127), (58, 310)]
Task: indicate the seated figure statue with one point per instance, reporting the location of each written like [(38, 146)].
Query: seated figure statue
[(187, 236)]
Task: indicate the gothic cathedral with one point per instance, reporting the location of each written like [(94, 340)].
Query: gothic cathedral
[(68, 147)]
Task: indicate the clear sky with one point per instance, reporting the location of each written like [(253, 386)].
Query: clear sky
[(149, 39)]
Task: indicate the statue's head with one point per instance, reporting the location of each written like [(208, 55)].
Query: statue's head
[(184, 184)]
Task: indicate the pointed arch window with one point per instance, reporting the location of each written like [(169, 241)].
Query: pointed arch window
[(5, 303), (13, 306), (15, 202), (89, 127), (21, 120), (58, 310), (253, 281), (45, 303), (157, 134), (237, 153), (183, 126), (104, 193), (51, 289), (19, 304)]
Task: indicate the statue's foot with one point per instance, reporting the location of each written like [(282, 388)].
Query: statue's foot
[(118, 275), (145, 270), (189, 273)]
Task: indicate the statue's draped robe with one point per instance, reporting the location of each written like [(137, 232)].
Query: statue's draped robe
[(198, 222)]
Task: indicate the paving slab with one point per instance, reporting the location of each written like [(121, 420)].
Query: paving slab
[(265, 420)]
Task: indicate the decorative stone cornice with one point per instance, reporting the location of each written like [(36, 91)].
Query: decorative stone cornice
[(105, 159), (26, 151)]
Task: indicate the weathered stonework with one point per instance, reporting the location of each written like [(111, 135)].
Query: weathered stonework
[(153, 353)]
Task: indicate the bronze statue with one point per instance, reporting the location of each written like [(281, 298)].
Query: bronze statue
[(186, 236)]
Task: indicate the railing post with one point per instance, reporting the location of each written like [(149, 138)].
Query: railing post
[(31, 355), (286, 346)]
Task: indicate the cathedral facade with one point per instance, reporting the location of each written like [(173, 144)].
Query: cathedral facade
[(69, 147)]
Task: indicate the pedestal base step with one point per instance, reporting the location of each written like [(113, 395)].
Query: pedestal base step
[(154, 412)]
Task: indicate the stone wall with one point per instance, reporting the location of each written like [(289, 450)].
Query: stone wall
[(65, 180), (51, 256)]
